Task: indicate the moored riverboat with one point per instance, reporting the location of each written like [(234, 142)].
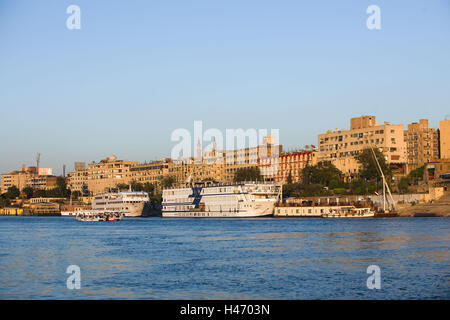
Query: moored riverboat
[(244, 200), (349, 212)]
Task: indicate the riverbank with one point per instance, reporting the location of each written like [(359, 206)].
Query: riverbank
[(439, 207)]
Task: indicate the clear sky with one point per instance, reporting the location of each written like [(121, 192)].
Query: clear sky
[(137, 70)]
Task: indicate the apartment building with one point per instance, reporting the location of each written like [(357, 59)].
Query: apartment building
[(77, 180), (100, 176), (248, 157), (341, 146), (149, 172), (191, 170), (422, 144), (444, 137), (279, 168), (28, 177)]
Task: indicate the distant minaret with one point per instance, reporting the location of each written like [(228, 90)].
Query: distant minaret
[(214, 146), (64, 170)]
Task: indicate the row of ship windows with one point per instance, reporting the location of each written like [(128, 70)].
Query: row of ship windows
[(118, 202), (208, 208), (298, 211)]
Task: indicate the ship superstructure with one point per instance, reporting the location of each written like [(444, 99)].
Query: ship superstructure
[(130, 204), (246, 200)]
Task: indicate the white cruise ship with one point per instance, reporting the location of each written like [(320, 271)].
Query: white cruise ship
[(130, 204), (247, 200)]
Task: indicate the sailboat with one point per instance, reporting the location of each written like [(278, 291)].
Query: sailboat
[(388, 204)]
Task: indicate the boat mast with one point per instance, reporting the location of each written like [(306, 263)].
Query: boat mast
[(385, 185)]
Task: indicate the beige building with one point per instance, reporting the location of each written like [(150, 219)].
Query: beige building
[(341, 146), (27, 177), (444, 137), (19, 178), (149, 172), (77, 180), (248, 157), (99, 177), (422, 144), (436, 168), (211, 166), (194, 171)]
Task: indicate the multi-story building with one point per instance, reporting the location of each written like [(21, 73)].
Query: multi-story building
[(444, 137), (77, 180), (190, 171), (149, 172), (43, 182), (278, 168), (422, 144), (99, 177), (341, 146), (28, 177), (247, 158)]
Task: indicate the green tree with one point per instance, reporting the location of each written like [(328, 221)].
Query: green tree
[(122, 186), (322, 173), (136, 186), (149, 188), (309, 174), (12, 193), (369, 168), (417, 174), (168, 181), (334, 184), (76, 194), (156, 198), (40, 193), (62, 187), (403, 185), (28, 191), (247, 174), (4, 202), (289, 178), (358, 186)]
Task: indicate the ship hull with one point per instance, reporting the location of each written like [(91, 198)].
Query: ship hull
[(257, 210), (334, 216), (204, 214), (134, 210)]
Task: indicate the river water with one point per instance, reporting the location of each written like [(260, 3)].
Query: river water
[(155, 258)]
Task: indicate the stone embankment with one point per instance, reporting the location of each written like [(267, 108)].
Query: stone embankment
[(440, 207)]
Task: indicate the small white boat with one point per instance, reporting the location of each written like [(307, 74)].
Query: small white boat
[(349, 212)]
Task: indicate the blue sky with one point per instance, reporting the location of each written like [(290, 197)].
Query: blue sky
[(137, 70)]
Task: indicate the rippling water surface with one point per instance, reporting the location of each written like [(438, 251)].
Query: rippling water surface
[(156, 258)]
